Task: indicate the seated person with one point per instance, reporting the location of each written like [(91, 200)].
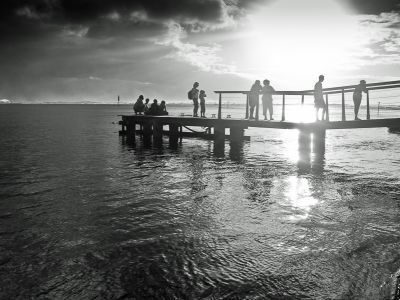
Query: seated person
[(146, 106), (138, 107), (153, 110), (163, 109)]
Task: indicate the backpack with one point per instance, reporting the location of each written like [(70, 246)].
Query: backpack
[(190, 95)]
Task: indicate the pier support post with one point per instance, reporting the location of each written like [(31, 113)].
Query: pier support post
[(157, 131), (147, 130), (304, 141), (173, 134), (219, 133), (236, 134), (130, 129), (319, 141)]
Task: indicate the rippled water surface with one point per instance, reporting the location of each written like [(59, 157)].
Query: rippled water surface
[(86, 214)]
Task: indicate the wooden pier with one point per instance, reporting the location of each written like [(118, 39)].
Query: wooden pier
[(215, 128)]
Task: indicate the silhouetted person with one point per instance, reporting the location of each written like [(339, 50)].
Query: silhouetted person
[(267, 92), (319, 98), (153, 110), (163, 109), (138, 107), (202, 97), (357, 97), (146, 106), (193, 94), (254, 97)]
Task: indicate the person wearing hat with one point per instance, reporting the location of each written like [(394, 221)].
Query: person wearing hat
[(357, 96)]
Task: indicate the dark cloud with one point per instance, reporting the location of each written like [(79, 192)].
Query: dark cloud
[(30, 18), (60, 11), (373, 7)]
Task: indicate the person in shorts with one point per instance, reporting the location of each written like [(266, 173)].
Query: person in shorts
[(202, 97), (319, 102), (267, 92)]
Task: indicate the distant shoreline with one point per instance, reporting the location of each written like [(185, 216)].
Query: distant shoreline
[(212, 104)]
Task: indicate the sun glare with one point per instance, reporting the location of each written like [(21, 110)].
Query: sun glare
[(298, 40)]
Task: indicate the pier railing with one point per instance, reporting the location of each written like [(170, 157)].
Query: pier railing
[(327, 91)]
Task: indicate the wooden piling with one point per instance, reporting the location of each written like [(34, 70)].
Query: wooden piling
[(173, 133), (130, 128), (157, 130), (236, 134), (283, 107), (319, 141), (219, 133)]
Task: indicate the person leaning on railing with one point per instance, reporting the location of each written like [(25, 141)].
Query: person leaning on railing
[(357, 97), (254, 97)]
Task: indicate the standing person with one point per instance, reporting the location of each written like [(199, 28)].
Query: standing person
[(193, 94), (254, 97), (267, 92), (319, 98), (202, 103), (357, 96)]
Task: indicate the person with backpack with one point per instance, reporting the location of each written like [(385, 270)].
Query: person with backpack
[(193, 95)]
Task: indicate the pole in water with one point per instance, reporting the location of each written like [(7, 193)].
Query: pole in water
[(118, 99)]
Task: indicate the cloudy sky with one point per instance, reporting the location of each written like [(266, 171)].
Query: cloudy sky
[(88, 50)]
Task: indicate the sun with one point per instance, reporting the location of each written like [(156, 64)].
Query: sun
[(295, 41)]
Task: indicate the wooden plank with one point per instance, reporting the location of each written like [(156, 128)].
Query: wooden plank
[(228, 123)]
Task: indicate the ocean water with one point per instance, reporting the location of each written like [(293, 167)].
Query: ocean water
[(86, 214)]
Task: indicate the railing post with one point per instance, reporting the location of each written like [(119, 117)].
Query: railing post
[(283, 107), (368, 114), (219, 105), (247, 106), (327, 108), (343, 107), (258, 107), (302, 99)]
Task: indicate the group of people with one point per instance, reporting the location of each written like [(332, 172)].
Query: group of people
[(267, 90), (154, 109), (267, 101), (194, 94)]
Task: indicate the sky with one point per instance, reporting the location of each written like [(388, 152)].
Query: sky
[(88, 50)]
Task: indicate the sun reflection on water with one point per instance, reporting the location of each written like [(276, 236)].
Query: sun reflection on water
[(300, 196)]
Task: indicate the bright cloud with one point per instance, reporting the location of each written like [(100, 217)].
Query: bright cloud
[(204, 57)]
